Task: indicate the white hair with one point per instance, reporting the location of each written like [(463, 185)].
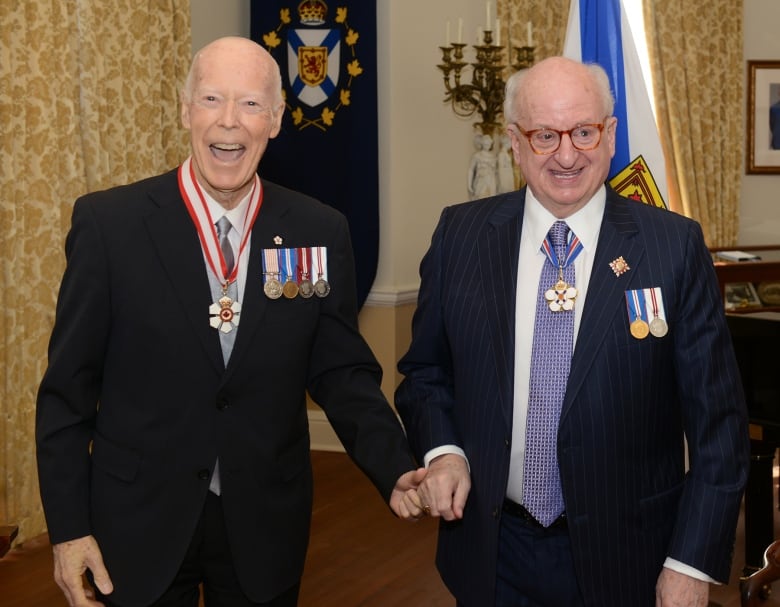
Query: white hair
[(514, 90)]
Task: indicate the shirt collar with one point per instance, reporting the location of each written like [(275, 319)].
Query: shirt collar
[(236, 215), (585, 223)]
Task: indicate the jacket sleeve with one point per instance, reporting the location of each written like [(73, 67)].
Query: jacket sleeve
[(345, 378), (425, 399), (68, 394), (714, 418)]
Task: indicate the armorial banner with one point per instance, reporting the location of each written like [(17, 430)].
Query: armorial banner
[(328, 144)]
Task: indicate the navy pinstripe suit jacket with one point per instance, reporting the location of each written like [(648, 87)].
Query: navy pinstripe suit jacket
[(628, 404)]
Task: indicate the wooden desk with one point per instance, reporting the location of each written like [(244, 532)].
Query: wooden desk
[(767, 269), (7, 535)]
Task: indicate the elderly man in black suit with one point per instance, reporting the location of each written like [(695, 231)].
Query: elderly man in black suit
[(196, 310)]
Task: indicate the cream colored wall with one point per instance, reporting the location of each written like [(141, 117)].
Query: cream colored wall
[(760, 200), (211, 20), (388, 331), (424, 148)]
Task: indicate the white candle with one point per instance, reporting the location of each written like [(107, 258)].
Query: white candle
[(529, 28), (487, 15), (498, 33), (460, 30), (448, 33)]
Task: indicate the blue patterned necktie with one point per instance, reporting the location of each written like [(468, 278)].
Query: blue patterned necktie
[(223, 228), (550, 361)]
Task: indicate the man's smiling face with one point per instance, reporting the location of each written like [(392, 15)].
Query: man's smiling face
[(228, 109), (560, 94)]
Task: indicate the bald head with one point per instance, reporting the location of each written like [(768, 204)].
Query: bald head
[(225, 51), (552, 74)]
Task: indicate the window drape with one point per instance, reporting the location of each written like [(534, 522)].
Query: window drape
[(88, 99), (698, 71)]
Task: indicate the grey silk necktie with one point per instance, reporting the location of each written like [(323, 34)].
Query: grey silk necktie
[(550, 361), (223, 228)]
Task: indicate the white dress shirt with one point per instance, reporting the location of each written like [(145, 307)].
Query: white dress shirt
[(537, 221)]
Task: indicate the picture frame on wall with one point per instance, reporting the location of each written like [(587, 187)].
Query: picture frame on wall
[(763, 117)]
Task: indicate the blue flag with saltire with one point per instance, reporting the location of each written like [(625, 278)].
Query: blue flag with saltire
[(598, 32)]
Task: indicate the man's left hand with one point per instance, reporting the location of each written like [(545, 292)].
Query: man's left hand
[(404, 501), (676, 589)]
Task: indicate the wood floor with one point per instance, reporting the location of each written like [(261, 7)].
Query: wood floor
[(359, 556)]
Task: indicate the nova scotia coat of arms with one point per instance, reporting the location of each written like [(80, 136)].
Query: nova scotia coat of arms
[(321, 62)]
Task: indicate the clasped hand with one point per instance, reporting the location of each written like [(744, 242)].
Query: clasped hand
[(438, 491)]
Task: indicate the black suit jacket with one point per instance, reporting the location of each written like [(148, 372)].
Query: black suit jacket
[(136, 404), (628, 498)]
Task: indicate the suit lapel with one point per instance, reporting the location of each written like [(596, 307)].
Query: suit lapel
[(181, 256), (501, 247), (606, 291), (268, 225)]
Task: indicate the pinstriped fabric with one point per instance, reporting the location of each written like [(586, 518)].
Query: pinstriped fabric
[(620, 440)]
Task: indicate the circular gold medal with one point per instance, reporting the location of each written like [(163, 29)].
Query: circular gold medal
[(272, 288), (306, 288), (290, 289), (639, 329), (658, 327)]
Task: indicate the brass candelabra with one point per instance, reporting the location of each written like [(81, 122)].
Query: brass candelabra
[(484, 95)]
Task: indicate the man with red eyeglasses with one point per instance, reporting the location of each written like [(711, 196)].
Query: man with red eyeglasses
[(567, 342)]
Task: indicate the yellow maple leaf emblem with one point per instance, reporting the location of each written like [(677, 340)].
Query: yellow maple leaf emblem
[(341, 14), (284, 15), (271, 40), (297, 116), (345, 97), (328, 116), (354, 68), (352, 37)]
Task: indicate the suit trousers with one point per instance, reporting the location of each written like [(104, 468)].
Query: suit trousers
[(535, 566), (209, 563)]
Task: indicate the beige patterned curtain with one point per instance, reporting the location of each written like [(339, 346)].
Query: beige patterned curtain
[(547, 17), (88, 99), (696, 59)]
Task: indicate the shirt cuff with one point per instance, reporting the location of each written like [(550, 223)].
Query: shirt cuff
[(444, 450), (679, 567)]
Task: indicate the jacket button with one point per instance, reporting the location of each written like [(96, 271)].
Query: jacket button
[(204, 474), (496, 512), (222, 404)]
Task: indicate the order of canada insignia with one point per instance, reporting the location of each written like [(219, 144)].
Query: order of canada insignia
[(321, 62)]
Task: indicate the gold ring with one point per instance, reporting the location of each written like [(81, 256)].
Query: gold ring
[(426, 510)]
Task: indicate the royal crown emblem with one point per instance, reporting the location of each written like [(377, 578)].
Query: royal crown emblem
[(312, 12)]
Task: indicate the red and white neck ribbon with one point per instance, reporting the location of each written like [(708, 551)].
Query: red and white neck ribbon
[(199, 212)]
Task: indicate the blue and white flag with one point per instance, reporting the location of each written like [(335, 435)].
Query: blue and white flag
[(598, 32), (328, 145)]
